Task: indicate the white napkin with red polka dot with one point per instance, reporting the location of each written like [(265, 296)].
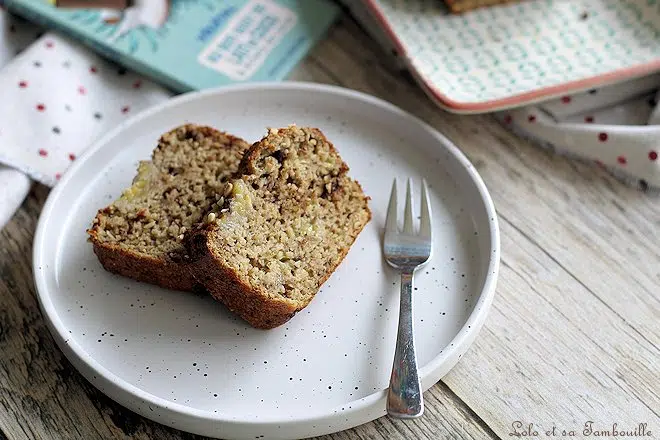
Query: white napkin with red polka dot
[(57, 98), (14, 184), (615, 127)]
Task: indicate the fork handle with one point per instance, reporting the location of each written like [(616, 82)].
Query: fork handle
[(404, 397)]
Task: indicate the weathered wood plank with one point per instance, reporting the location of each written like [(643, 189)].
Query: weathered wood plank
[(552, 354)]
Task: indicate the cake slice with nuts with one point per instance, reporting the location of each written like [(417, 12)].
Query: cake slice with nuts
[(140, 235), (288, 219)]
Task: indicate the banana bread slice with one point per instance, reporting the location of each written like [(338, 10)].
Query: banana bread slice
[(288, 220), (140, 235)]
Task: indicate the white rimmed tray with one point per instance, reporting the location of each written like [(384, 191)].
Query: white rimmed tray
[(515, 54), (184, 361)]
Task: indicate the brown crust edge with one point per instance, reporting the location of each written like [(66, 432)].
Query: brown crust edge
[(252, 153), (143, 268), (206, 130), (225, 286)]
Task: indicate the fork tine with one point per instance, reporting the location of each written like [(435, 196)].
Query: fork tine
[(391, 220), (425, 220), (408, 215)]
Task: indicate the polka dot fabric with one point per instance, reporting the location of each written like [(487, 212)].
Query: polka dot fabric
[(15, 36), (57, 99), (616, 128)]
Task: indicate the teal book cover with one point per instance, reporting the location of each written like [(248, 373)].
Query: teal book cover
[(194, 44)]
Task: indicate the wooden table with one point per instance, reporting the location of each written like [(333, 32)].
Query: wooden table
[(572, 336)]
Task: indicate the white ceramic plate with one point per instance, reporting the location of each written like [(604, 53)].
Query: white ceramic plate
[(184, 361)]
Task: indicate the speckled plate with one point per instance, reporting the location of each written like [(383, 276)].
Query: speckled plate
[(184, 361)]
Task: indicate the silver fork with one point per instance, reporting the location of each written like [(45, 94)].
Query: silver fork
[(406, 251)]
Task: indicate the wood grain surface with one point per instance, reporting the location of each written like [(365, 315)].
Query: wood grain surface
[(572, 336)]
